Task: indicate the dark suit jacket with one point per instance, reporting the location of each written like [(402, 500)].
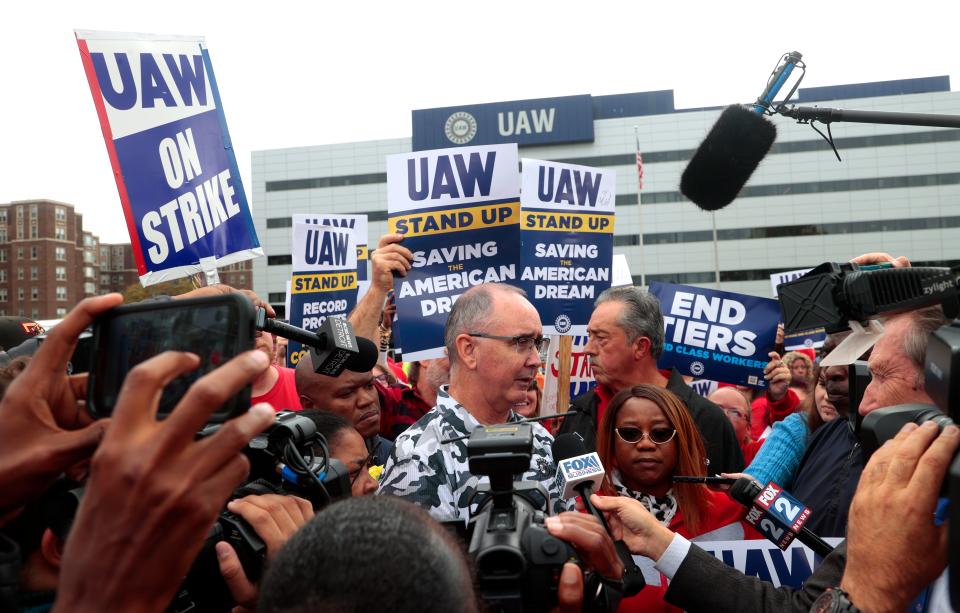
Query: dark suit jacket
[(704, 583)]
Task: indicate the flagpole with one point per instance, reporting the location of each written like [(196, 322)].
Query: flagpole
[(716, 252), (643, 263)]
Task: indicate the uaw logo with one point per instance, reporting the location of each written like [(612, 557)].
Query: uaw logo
[(562, 323), (697, 368), (460, 128)]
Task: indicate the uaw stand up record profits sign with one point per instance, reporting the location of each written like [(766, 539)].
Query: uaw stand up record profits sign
[(459, 212), (324, 280), (567, 241), (166, 135)]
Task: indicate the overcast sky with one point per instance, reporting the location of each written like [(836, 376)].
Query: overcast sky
[(293, 74)]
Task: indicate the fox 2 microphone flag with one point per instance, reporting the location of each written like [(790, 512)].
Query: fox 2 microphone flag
[(176, 171)]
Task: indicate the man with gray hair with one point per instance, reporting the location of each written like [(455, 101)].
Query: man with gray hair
[(493, 338), (625, 339)]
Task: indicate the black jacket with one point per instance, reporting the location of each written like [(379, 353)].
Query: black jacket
[(719, 439), (828, 476), (704, 583)]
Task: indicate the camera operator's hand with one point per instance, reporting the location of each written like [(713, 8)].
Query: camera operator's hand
[(594, 546), (878, 257), (154, 491), (570, 589), (894, 549), (43, 424), (274, 518), (630, 522), (778, 376)]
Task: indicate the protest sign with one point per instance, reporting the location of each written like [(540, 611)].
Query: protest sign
[(167, 139), (357, 223), (581, 375), (784, 277), (459, 212), (621, 271), (754, 558), (716, 335), (324, 280), (567, 215)]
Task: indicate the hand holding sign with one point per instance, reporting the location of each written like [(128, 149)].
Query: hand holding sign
[(390, 259)]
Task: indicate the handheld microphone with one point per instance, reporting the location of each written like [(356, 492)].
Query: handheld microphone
[(777, 515), (578, 472), (333, 348), (736, 144)]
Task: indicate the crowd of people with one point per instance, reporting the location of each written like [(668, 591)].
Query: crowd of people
[(152, 489)]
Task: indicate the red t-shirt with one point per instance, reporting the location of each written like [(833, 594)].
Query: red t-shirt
[(283, 395), (722, 513)]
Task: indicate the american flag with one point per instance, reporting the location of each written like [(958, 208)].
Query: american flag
[(639, 166)]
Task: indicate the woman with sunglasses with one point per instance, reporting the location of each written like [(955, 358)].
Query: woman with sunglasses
[(647, 436)]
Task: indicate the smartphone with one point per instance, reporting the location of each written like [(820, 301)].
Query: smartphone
[(707, 480), (216, 328)]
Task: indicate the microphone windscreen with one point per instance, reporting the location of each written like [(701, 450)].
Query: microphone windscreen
[(366, 358), (744, 490), (567, 446), (727, 157)]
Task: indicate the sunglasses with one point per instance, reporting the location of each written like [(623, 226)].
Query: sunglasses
[(659, 436)]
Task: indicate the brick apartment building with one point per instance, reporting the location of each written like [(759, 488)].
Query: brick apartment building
[(48, 262)]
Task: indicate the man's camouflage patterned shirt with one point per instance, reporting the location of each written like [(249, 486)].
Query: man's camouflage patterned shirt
[(436, 475)]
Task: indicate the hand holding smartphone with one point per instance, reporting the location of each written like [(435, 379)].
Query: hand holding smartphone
[(216, 328)]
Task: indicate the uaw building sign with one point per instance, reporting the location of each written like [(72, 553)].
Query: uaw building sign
[(525, 122)]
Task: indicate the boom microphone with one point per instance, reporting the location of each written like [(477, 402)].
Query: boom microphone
[(727, 157), (776, 515), (578, 472), (736, 144)]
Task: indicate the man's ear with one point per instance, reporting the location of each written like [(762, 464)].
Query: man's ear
[(306, 403), (51, 548), (641, 347), (467, 351)]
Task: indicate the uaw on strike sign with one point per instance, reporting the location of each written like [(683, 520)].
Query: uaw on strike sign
[(163, 122)]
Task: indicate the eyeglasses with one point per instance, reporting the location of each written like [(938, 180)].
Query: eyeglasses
[(659, 436), (523, 343)]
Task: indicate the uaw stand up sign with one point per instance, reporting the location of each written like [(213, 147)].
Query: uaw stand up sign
[(356, 224), (166, 135), (459, 212), (324, 280), (567, 215)]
